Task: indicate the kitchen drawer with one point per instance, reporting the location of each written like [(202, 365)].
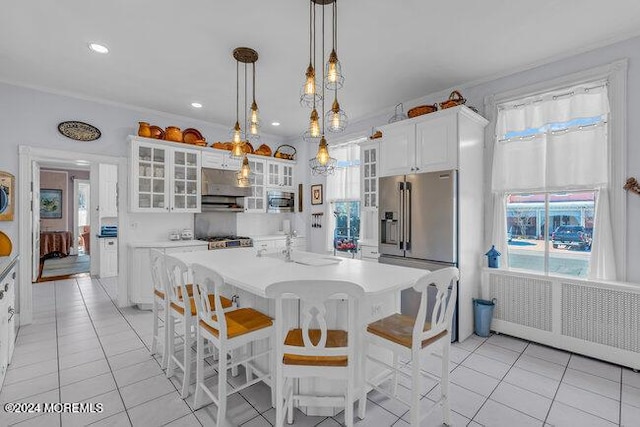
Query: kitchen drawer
[(370, 252), (266, 244), (110, 245)]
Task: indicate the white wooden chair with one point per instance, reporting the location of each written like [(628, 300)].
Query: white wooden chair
[(408, 337), (235, 330), (184, 310), (160, 304), (314, 350)]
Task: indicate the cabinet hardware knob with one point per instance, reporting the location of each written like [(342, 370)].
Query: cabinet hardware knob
[(6, 287)]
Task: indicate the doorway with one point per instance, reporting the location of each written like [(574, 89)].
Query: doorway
[(32, 160), (64, 223)]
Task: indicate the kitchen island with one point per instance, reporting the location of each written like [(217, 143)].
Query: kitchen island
[(248, 276)]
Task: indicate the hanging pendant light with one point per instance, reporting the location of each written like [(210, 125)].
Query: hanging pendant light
[(322, 163), (309, 94), (334, 78), (236, 132), (336, 119), (254, 117), (240, 138)]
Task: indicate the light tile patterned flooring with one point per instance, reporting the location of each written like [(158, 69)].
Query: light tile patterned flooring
[(82, 348)]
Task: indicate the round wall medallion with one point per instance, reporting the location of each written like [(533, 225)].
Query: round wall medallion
[(79, 131)]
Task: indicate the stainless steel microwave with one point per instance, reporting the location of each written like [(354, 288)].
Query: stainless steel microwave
[(280, 201)]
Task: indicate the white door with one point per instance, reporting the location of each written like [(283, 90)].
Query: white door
[(108, 176), (35, 220), (398, 150)]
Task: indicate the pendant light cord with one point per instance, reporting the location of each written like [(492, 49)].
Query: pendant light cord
[(322, 71), (237, 91), (246, 123), (313, 9), (253, 87), (335, 24)]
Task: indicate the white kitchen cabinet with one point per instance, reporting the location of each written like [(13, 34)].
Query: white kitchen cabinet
[(256, 202), (108, 257), (278, 242), (7, 317), (164, 177), (220, 159), (368, 251), (139, 280), (280, 174), (369, 174), (426, 143), (108, 190)]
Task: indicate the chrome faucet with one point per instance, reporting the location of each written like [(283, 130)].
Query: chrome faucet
[(287, 250)]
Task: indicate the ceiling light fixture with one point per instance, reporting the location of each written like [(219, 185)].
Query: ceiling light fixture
[(98, 48), (322, 163), (240, 138), (275, 123), (196, 105)]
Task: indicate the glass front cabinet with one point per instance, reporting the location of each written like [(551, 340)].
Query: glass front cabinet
[(164, 178), (256, 201)]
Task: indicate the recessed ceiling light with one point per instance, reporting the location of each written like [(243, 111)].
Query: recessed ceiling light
[(275, 124), (196, 105), (99, 48)]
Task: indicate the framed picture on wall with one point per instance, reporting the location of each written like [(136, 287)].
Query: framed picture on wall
[(7, 196), (316, 194), (50, 203)]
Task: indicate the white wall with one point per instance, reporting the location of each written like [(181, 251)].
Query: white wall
[(476, 92)]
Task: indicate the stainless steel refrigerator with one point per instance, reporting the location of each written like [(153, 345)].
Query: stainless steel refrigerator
[(419, 226)]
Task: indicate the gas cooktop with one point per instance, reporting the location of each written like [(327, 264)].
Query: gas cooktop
[(223, 242)]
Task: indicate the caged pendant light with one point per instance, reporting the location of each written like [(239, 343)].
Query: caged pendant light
[(240, 138), (323, 163), (335, 120)]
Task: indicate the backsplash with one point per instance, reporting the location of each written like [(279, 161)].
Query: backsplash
[(259, 224)]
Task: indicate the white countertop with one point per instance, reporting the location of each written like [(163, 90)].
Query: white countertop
[(169, 244), (272, 237), (242, 268)]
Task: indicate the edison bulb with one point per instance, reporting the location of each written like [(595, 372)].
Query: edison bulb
[(237, 150), (310, 82), (253, 128), (314, 124), (323, 154), (332, 72), (245, 170), (254, 113), (237, 134), (335, 120)]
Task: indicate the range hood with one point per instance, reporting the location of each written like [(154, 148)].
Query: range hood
[(220, 191)]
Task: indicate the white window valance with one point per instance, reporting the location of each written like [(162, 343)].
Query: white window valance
[(557, 153), (344, 184), (560, 106)]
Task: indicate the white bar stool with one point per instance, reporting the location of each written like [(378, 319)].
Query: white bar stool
[(235, 329), (315, 351), (160, 304), (408, 337), (182, 309)]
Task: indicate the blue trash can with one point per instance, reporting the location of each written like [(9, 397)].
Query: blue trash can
[(483, 313)]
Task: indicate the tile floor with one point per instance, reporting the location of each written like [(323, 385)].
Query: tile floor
[(82, 348)]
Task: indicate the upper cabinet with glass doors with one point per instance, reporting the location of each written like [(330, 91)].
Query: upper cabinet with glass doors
[(164, 177)]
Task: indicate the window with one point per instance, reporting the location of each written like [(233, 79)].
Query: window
[(562, 248), (550, 178), (347, 225), (343, 195)]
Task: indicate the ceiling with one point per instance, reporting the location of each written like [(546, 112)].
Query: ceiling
[(165, 54)]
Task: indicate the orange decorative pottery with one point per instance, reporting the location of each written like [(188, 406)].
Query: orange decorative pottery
[(144, 130), (173, 133)]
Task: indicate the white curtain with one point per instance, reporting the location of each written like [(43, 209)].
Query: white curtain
[(602, 265), (554, 159), (344, 183), (499, 236), (576, 158)]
